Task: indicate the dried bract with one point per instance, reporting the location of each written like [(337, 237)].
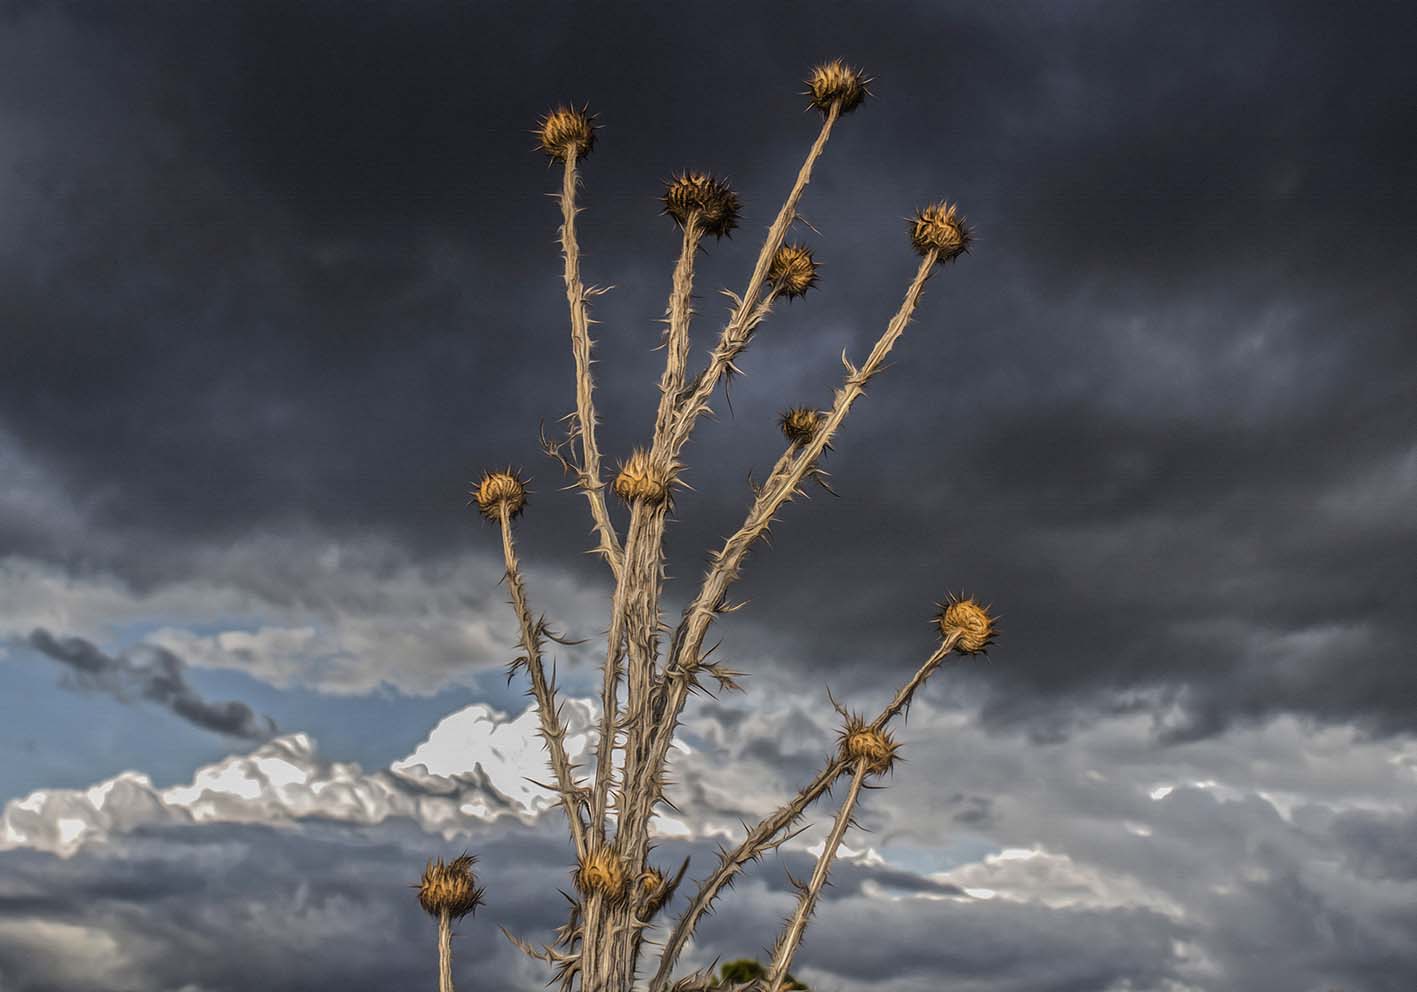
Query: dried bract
[(859, 741), (972, 622), (836, 82), (603, 872), (793, 271), (499, 489), (566, 130), (940, 228), (800, 424), (713, 199), (641, 479), (450, 888)]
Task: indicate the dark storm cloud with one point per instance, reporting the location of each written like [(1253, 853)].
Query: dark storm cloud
[(153, 674), (275, 267)]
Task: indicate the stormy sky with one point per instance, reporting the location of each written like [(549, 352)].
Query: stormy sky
[(278, 281)]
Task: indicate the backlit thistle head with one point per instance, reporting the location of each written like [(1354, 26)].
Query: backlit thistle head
[(603, 872), (939, 227), (800, 424), (836, 82), (793, 271), (565, 130), (450, 888), (972, 622), (640, 479), (713, 199), (859, 740), (497, 490)]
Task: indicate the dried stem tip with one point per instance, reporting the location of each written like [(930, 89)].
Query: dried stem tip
[(565, 130), (603, 872), (800, 424), (972, 622), (641, 479), (939, 227), (498, 489), (793, 271), (859, 741), (449, 888), (715, 201), (836, 82)]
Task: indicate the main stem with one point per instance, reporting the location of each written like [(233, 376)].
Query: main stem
[(445, 952)]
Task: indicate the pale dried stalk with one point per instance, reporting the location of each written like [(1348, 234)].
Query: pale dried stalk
[(552, 732), (764, 836), (588, 473), (792, 935), (445, 952), (672, 691)]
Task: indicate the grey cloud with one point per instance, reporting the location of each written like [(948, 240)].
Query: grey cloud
[(155, 675)]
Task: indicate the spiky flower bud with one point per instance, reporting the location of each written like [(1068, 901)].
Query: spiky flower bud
[(498, 489), (939, 227), (793, 271), (450, 888), (836, 82), (602, 871), (713, 199), (860, 741), (972, 622), (800, 424), (565, 130), (654, 888), (641, 479)]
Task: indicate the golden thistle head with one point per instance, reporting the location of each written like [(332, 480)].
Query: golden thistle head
[(641, 479), (836, 82), (972, 622), (450, 888), (940, 228), (500, 489), (713, 199), (653, 887), (793, 271), (860, 741), (800, 424), (602, 871), (566, 130)]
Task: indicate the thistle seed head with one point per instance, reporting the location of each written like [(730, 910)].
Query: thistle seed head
[(836, 82), (939, 227), (641, 479), (450, 888), (800, 424), (564, 130), (714, 200), (654, 888), (976, 628), (793, 271), (603, 872), (498, 489), (859, 741)]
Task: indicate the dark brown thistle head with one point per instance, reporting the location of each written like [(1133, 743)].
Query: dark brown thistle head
[(566, 130), (800, 424), (975, 627), (450, 888), (500, 489), (698, 192), (836, 82), (939, 227), (793, 271)]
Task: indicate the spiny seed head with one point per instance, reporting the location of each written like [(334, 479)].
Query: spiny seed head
[(654, 887), (564, 130), (939, 227), (859, 741), (450, 888), (603, 872), (800, 424), (715, 201), (793, 271), (641, 479), (498, 489), (836, 82), (972, 622)]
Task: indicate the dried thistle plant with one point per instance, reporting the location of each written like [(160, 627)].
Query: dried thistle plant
[(646, 683), (448, 892)]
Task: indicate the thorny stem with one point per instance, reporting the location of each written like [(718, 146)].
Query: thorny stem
[(551, 730), (764, 835), (792, 934), (588, 474)]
